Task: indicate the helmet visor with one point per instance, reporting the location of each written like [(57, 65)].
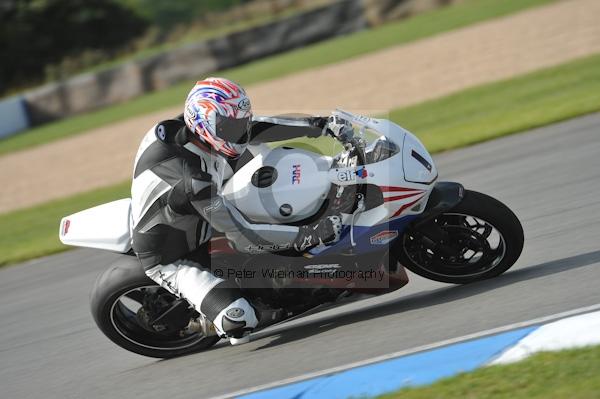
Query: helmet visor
[(233, 130)]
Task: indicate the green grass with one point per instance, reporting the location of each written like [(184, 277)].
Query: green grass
[(468, 117), (506, 107), (327, 52), (33, 232), (572, 374)]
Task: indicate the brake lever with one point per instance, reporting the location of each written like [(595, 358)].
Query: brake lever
[(360, 207)]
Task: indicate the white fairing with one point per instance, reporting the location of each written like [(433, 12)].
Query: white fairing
[(297, 192), (287, 185), (405, 185), (417, 163), (105, 226)]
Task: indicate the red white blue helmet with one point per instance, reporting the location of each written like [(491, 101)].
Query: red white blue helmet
[(218, 112)]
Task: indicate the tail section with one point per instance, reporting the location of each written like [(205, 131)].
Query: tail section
[(106, 226)]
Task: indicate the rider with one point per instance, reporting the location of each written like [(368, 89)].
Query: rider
[(180, 168)]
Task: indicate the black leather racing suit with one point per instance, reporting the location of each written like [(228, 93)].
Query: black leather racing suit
[(176, 203)]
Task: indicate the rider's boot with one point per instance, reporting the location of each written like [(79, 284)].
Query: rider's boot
[(237, 321)]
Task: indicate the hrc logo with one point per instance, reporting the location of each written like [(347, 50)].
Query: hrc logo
[(296, 173)]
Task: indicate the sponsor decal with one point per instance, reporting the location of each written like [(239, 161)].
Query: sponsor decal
[(190, 112), (350, 175), (362, 172), (258, 249), (66, 226), (167, 281), (361, 118), (244, 105), (324, 268), (383, 237), (296, 173), (214, 205), (346, 175)]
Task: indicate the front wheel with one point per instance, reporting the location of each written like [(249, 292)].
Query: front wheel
[(124, 297), (477, 239)]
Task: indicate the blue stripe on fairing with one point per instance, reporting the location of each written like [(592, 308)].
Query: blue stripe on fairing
[(363, 234), (390, 375)]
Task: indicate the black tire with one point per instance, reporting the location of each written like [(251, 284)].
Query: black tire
[(123, 276), (475, 205)]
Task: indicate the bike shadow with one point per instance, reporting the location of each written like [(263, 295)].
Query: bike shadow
[(425, 299)]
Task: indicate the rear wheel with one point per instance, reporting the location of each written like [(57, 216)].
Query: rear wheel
[(124, 299), (477, 239)]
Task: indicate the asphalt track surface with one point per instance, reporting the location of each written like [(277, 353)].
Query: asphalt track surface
[(550, 177)]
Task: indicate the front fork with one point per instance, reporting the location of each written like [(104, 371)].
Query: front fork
[(443, 197)]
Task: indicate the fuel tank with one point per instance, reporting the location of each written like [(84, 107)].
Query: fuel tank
[(282, 185)]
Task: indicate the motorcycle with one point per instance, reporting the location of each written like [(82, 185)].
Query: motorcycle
[(396, 215)]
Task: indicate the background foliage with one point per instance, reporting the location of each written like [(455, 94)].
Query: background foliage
[(167, 13), (36, 33), (40, 39)]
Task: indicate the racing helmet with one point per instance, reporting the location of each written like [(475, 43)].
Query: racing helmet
[(218, 113)]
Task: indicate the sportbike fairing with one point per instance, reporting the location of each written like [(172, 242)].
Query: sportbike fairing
[(288, 185)]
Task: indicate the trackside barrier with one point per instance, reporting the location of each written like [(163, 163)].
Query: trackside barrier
[(13, 116), (126, 81), (90, 91)]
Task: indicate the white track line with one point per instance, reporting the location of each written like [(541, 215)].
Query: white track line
[(514, 326)]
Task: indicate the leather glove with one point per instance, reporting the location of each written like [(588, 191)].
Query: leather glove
[(326, 231), (319, 121), (338, 128)]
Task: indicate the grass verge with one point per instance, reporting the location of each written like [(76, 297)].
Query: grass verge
[(327, 52), (510, 106), (33, 232), (552, 375), (475, 115)]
